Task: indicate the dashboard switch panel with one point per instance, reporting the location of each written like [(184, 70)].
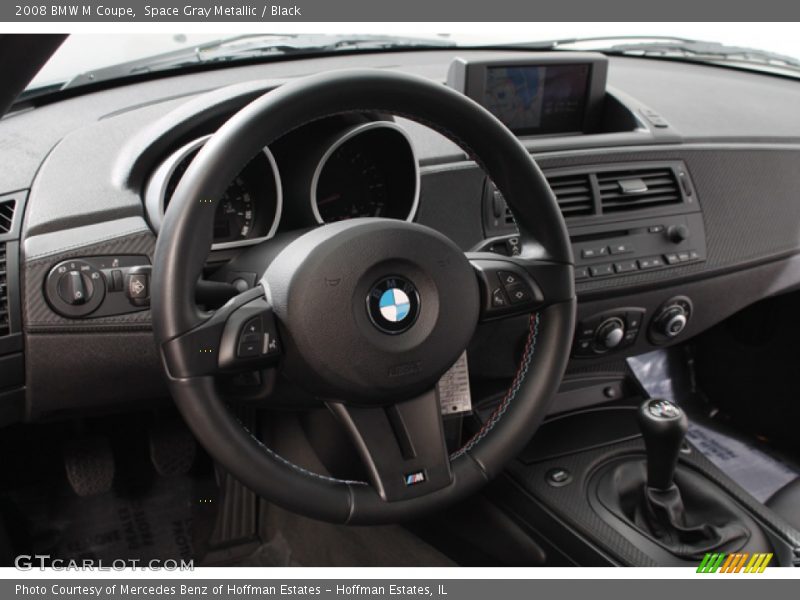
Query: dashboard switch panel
[(608, 331), (98, 286)]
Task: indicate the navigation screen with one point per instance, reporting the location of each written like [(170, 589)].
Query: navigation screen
[(538, 99)]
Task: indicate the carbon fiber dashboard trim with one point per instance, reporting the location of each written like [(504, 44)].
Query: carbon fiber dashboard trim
[(38, 317)]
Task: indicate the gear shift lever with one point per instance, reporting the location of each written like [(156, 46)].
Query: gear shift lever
[(682, 511), (663, 426)]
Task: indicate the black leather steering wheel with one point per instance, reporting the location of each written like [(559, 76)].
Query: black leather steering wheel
[(319, 304)]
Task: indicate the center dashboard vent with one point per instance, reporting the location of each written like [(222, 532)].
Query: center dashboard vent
[(573, 193), (634, 189), (603, 190)]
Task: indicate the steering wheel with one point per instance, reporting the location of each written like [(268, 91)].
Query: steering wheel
[(366, 314)]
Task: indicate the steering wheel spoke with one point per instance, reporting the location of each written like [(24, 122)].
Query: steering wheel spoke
[(512, 286), (241, 335), (402, 445)]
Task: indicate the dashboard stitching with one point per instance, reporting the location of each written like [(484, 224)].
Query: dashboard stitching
[(530, 350)]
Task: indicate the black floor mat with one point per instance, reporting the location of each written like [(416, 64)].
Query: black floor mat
[(144, 516), (145, 524)]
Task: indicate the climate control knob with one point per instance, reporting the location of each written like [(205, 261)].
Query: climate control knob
[(670, 320), (609, 334), (673, 322)]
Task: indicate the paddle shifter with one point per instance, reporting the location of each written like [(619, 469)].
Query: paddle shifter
[(663, 426)]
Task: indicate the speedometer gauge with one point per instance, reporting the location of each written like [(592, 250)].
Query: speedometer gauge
[(249, 209)]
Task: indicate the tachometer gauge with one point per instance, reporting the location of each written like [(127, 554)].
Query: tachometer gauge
[(370, 170), (351, 185)]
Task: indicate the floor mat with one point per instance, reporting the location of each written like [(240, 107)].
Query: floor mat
[(312, 543), (151, 523), (662, 375)]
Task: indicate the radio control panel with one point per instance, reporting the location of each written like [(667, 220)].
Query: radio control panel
[(625, 248), (642, 245)]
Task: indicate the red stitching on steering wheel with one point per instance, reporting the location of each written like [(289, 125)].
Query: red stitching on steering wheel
[(522, 371)]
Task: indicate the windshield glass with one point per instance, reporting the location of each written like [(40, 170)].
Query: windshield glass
[(82, 55)]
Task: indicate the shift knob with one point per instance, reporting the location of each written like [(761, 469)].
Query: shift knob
[(663, 426)]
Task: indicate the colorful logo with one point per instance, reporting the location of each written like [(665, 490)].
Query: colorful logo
[(393, 304), (415, 478), (740, 562)]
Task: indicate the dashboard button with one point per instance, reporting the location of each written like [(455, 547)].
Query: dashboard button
[(672, 258), (626, 267), (621, 248), (601, 270), (651, 262), (630, 336), (581, 273), (634, 320), (116, 280), (594, 252), (137, 288)]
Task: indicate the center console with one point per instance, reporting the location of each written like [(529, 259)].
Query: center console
[(620, 485)]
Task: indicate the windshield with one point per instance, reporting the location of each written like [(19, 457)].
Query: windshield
[(85, 58)]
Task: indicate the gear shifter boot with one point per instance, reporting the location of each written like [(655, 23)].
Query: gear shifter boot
[(689, 519)]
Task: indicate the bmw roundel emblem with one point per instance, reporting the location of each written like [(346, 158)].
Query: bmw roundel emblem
[(393, 304)]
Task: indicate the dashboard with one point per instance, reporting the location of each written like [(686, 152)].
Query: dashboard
[(679, 188)]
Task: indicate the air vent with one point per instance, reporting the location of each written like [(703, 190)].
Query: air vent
[(573, 193), (634, 189), (7, 215), (4, 326)]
